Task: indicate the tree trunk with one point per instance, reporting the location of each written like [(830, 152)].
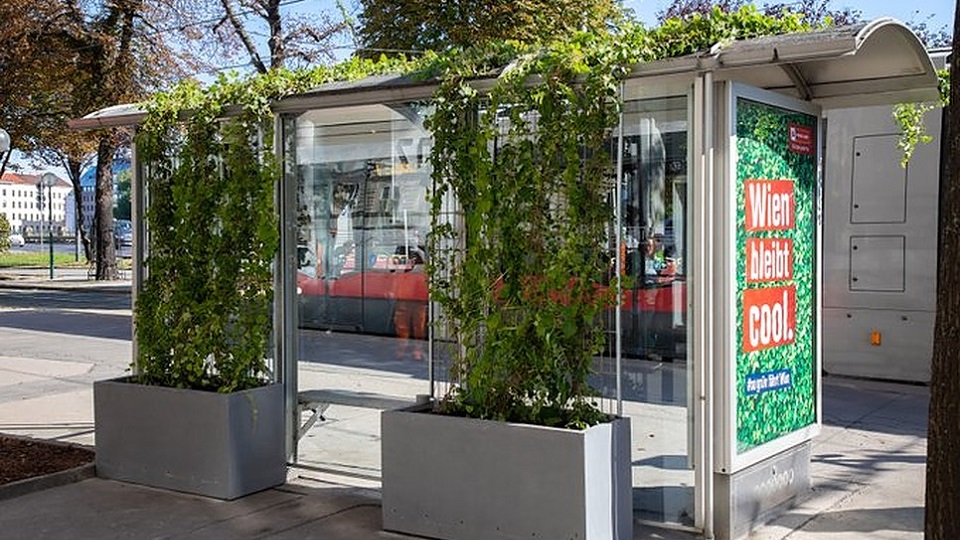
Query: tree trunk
[(942, 520), (106, 253)]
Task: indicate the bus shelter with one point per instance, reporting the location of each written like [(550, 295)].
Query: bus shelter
[(715, 353)]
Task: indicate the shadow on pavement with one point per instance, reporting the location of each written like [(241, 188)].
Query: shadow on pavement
[(867, 520), (880, 407), (117, 510), (395, 355), (95, 325), (871, 461)]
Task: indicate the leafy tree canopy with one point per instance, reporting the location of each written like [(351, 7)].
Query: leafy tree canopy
[(812, 12), (400, 26)]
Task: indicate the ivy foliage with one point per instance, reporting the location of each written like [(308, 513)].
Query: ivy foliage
[(524, 281), (909, 117), (203, 317), (529, 162)]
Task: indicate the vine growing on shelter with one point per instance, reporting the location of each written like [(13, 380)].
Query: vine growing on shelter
[(909, 118), (204, 314), (525, 278), (522, 282)]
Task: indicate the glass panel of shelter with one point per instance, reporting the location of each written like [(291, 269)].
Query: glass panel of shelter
[(362, 217), (656, 376), (363, 177)]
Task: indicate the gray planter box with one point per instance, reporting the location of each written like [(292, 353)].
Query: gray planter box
[(217, 445), (464, 479)]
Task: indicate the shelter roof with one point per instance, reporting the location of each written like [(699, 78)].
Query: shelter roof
[(877, 62)]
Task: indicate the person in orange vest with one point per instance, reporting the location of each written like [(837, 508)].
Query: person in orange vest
[(410, 306)]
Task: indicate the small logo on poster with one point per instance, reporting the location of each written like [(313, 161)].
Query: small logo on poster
[(800, 140), (758, 383)]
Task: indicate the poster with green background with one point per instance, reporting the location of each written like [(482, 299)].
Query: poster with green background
[(776, 190)]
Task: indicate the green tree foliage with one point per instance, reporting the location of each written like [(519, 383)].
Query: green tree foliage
[(402, 26), (122, 209), (812, 12), (63, 59), (4, 233)]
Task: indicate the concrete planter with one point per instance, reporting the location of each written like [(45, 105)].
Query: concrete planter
[(218, 445), (461, 478)]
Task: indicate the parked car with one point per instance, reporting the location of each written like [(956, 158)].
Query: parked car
[(16, 240), (123, 233)]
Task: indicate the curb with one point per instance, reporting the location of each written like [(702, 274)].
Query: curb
[(52, 480), (25, 285)]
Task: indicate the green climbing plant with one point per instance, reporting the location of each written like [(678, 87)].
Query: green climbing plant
[(909, 118), (4, 233), (203, 316), (525, 278), (522, 281)]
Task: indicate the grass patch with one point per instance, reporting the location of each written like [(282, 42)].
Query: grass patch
[(39, 260)]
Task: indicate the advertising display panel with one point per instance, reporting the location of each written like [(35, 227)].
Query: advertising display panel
[(775, 350)]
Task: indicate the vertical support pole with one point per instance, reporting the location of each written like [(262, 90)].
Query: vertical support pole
[(139, 247), (704, 121), (285, 282), (618, 217), (50, 223)]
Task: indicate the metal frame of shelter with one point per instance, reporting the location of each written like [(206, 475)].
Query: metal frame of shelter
[(880, 62)]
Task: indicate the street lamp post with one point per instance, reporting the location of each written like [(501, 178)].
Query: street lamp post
[(48, 180)]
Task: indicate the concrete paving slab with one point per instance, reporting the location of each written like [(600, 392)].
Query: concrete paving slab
[(41, 367), (868, 462), (99, 508)]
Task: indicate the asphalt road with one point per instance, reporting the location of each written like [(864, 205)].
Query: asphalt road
[(58, 247), (70, 300), (107, 315), (73, 313)]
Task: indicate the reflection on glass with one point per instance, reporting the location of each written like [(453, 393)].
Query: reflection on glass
[(655, 374), (363, 220)]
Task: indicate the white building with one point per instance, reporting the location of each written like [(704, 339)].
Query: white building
[(20, 205)]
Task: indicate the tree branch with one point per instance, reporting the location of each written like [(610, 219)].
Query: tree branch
[(244, 36)]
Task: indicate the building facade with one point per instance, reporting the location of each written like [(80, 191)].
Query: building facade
[(25, 207)]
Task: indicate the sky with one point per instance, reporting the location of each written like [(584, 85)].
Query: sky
[(940, 12)]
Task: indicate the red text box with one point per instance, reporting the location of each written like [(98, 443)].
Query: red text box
[(769, 259), (770, 205), (800, 138), (769, 317)]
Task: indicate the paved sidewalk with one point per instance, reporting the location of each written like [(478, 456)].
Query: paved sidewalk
[(868, 462), (63, 279)]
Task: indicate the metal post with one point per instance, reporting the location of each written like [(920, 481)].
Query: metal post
[(48, 180), (50, 224)]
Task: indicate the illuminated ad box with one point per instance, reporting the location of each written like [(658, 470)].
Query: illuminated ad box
[(773, 382)]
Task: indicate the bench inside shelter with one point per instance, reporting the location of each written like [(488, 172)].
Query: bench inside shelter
[(316, 402)]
